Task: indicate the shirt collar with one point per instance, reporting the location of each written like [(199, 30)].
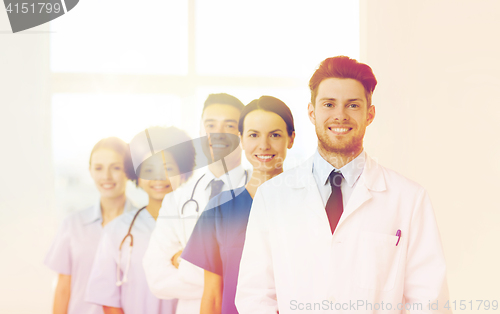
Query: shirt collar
[(350, 171), (235, 175), (95, 214)]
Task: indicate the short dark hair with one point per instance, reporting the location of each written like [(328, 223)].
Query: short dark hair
[(223, 99), (271, 104), (121, 148), (343, 67), (184, 155)]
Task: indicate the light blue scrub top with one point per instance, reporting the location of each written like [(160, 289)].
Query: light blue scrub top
[(73, 250), (133, 296)]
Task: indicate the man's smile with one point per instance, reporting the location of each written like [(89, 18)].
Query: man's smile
[(337, 130)]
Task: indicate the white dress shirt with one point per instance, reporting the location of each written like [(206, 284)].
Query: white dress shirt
[(351, 172)]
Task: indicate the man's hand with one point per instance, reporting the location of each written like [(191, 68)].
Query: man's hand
[(175, 259)]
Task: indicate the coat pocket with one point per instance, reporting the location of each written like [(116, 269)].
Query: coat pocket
[(377, 261)]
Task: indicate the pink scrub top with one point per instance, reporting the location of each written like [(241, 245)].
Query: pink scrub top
[(73, 250), (133, 296)]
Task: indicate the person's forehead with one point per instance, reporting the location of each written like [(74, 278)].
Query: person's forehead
[(157, 159), (264, 121), (220, 112), (340, 88), (106, 155)]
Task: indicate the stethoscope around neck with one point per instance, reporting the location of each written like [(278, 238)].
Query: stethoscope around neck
[(131, 246), (194, 203), (129, 234)]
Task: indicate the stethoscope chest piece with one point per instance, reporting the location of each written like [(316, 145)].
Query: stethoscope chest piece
[(190, 208)]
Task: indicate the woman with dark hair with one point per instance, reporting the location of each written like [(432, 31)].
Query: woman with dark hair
[(117, 281), (72, 252), (267, 131)]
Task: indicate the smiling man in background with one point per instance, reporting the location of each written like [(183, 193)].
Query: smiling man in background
[(341, 233), (170, 277)]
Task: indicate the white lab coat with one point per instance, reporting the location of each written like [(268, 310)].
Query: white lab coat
[(293, 263), (171, 233)]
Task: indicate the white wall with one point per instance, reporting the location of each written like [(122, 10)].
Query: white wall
[(26, 185), (437, 101)]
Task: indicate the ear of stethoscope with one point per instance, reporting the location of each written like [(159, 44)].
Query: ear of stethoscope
[(191, 200), (127, 267)]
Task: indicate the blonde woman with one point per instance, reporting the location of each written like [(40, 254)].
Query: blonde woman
[(72, 252)]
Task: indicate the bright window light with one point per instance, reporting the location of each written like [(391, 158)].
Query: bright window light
[(236, 44), (79, 121), (121, 36), (273, 38)]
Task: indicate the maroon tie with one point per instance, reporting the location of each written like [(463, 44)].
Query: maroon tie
[(334, 206)]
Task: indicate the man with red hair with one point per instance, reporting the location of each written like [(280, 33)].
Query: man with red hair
[(341, 233)]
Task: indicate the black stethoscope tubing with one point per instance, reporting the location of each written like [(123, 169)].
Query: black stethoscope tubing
[(191, 199)]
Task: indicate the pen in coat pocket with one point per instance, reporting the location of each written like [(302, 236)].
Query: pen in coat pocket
[(398, 234)]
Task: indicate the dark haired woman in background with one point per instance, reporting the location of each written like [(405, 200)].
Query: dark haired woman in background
[(72, 252), (267, 131), (118, 282)]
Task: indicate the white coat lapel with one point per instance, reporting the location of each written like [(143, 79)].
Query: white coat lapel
[(311, 200), (372, 179), (315, 203), (359, 196)]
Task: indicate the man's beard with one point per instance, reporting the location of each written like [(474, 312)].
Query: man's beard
[(349, 148)]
